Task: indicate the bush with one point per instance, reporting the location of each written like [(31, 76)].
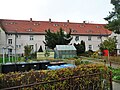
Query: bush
[(17, 78), (77, 62)]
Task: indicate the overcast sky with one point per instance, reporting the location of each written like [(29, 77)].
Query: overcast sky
[(92, 11)]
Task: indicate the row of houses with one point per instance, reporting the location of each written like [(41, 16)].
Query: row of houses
[(15, 34)]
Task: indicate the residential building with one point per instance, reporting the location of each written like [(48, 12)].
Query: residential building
[(117, 36), (15, 34)]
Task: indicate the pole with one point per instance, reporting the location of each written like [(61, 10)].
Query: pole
[(9, 54), (15, 46), (109, 58), (110, 73), (3, 55)]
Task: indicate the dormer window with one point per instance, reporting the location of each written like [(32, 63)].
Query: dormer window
[(90, 31), (36, 24), (74, 31), (29, 30), (55, 25), (9, 34)]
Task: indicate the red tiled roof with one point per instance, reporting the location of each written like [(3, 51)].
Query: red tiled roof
[(39, 27)]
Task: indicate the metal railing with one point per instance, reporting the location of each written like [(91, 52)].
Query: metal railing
[(86, 82)]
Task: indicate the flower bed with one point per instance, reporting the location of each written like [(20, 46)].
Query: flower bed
[(18, 78)]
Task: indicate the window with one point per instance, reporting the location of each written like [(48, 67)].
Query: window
[(10, 51), (115, 37), (18, 36), (76, 38), (89, 38), (90, 47), (31, 37), (99, 37), (18, 46), (9, 41), (9, 34)]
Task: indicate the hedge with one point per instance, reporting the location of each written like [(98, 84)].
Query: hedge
[(23, 78)]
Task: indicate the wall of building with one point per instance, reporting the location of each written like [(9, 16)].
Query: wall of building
[(23, 40), (94, 42), (2, 40), (117, 36), (37, 40)]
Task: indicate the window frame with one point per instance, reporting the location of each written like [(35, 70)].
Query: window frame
[(9, 41), (90, 47), (89, 38), (31, 38)]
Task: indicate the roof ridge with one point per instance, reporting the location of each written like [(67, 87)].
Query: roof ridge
[(51, 21)]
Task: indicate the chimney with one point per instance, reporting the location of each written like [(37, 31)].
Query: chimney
[(67, 21), (84, 22), (30, 19), (49, 20)]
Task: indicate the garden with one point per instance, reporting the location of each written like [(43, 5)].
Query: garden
[(90, 69)]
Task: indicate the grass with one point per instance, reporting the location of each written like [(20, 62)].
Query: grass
[(115, 73), (12, 59)]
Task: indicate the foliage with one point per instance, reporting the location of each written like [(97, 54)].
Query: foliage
[(109, 44), (34, 55), (59, 38), (80, 47), (18, 78), (47, 53), (95, 54), (77, 62), (115, 73), (114, 17), (27, 51)]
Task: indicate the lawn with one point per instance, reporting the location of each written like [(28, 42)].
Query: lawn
[(12, 59)]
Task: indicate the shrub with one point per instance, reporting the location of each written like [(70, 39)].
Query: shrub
[(77, 62), (18, 78)]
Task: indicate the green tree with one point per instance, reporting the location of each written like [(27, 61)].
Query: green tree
[(59, 38), (80, 47), (109, 44), (27, 51), (114, 17)]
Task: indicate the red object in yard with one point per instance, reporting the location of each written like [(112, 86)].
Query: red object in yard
[(105, 52)]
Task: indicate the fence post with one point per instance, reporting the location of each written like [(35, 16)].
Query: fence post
[(110, 73)]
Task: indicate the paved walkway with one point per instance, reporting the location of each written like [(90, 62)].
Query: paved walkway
[(116, 86)]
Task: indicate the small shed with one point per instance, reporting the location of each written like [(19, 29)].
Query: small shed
[(65, 51)]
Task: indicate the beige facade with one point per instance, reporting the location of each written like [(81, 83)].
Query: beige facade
[(20, 40)]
